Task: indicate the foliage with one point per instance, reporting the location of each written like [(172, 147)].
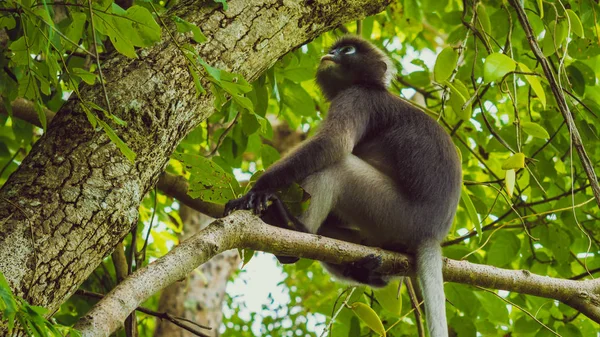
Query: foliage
[(526, 204), (17, 314)]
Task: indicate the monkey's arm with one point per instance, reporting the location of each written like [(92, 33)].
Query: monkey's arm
[(338, 135)]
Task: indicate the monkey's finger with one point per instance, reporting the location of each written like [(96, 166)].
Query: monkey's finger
[(264, 201), (250, 201), (257, 205)]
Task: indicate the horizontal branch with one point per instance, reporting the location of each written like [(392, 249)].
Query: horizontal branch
[(243, 230)]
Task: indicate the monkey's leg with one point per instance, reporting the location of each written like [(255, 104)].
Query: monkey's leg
[(358, 194), (279, 216)]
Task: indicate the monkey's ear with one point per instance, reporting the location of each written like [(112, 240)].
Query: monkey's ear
[(383, 66)]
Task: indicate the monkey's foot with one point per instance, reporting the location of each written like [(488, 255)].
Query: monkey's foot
[(287, 259), (364, 271)]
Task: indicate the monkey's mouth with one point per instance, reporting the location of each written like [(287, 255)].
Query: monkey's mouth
[(328, 61)]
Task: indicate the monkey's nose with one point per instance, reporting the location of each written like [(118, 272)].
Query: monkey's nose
[(328, 57)]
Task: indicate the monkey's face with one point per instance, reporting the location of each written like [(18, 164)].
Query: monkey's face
[(351, 61)]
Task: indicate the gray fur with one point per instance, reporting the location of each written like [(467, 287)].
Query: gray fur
[(380, 173)]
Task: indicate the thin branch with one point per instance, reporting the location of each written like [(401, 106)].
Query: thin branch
[(162, 315), (415, 304), (97, 57), (560, 99)]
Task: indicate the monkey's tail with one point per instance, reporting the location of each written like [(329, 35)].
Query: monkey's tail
[(429, 271)]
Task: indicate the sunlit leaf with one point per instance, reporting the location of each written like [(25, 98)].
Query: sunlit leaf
[(496, 66), (535, 83), (369, 317), (535, 130), (389, 297), (509, 182), (576, 25), (516, 161), (471, 211), (125, 150), (445, 64), (504, 248)]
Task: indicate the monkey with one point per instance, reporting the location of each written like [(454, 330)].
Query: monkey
[(380, 173)]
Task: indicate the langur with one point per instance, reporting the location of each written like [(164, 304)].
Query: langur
[(380, 173)]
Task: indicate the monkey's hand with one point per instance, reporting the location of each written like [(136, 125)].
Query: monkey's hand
[(257, 201)]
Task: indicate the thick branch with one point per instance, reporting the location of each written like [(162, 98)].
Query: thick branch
[(242, 230), (588, 167)]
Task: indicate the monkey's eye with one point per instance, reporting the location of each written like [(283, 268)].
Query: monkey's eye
[(348, 50)]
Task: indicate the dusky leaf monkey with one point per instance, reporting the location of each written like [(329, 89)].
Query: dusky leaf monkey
[(379, 171)]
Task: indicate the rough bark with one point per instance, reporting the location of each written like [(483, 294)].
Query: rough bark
[(75, 196), (198, 297)]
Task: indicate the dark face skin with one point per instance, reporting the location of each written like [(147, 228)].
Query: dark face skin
[(351, 61)]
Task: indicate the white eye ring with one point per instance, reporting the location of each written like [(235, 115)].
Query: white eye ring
[(348, 50)]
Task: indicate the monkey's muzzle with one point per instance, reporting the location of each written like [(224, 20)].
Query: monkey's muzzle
[(327, 61)]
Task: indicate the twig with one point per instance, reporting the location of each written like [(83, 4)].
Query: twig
[(97, 57), (162, 315), (328, 327), (520, 308), (560, 100), (416, 306)]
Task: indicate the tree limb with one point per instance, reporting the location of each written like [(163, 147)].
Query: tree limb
[(243, 230)]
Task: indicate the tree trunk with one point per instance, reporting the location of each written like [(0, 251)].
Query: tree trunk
[(75, 196), (199, 297)]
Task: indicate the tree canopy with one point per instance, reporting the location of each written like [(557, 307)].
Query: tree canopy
[(154, 86)]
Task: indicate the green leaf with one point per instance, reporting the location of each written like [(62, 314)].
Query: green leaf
[(496, 66), (509, 182), (146, 31), (576, 79), (125, 150), (504, 248), (458, 98), (269, 155), (20, 51), (297, 99), (7, 22), (369, 317), (184, 27), (463, 298), (535, 83), (389, 297), (90, 116), (208, 181), (119, 31), (540, 4), (199, 88), (483, 20), (249, 123), (246, 255), (516, 161), (445, 64), (86, 76), (224, 3), (39, 109), (75, 29), (471, 211), (576, 25), (535, 130)]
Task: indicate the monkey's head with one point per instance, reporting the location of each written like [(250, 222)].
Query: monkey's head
[(351, 61)]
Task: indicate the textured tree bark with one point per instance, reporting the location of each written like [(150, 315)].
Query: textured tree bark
[(199, 297), (75, 196)]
